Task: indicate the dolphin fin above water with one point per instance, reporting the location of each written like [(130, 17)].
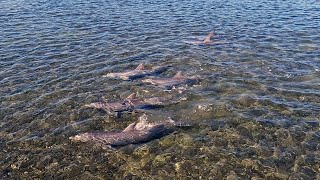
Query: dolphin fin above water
[(178, 75), (140, 67), (208, 40), (129, 128)]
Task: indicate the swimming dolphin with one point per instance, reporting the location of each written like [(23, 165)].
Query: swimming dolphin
[(203, 40), (139, 72), (131, 103), (138, 132), (168, 83)]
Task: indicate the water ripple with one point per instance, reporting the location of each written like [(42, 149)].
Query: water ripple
[(260, 86)]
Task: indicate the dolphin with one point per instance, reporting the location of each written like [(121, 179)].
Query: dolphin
[(207, 40), (131, 103), (139, 72), (168, 83), (137, 132)]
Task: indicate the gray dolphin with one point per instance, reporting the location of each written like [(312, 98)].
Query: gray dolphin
[(138, 132), (168, 83), (131, 103), (139, 72)]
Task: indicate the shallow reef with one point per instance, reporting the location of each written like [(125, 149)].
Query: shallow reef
[(254, 110), (237, 149)]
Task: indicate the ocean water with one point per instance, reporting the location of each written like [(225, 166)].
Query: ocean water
[(256, 110)]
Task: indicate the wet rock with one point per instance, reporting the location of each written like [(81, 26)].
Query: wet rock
[(256, 178), (312, 124), (185, 140), (277, 175), (216, 125), (285, 161), (162, 159), (21, 162), (213, 151), (249, 163), (307, 173), (297, 132), (72, 170), (168, 141), (311, 146), (53, 165), (247, 100), (284, 138), (88, 175), (232, 176), (132, 176), (183, 167), (263, 151), (219, 169), (135, 166), (142, 151), (209, 111), (45, 161), (247, 128)]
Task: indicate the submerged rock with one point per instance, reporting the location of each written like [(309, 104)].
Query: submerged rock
[(162, 159)]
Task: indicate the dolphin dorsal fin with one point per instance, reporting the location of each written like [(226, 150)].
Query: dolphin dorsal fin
[(208, 38), (132, 96), (140, 67), (178, 75), (129, 128)]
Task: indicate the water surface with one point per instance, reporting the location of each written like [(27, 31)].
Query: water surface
[(256, 110)]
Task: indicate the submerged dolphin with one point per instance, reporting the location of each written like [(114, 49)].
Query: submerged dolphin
[(138, 132), (131, 103), (168, 83), (140, 71)]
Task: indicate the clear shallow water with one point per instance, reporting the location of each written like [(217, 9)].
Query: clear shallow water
[(257, 108)]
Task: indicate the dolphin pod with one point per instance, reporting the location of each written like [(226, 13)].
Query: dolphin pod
[(142, 130), (166, 83)]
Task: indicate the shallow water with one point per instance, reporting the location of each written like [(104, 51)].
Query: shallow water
[(256, 110)]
